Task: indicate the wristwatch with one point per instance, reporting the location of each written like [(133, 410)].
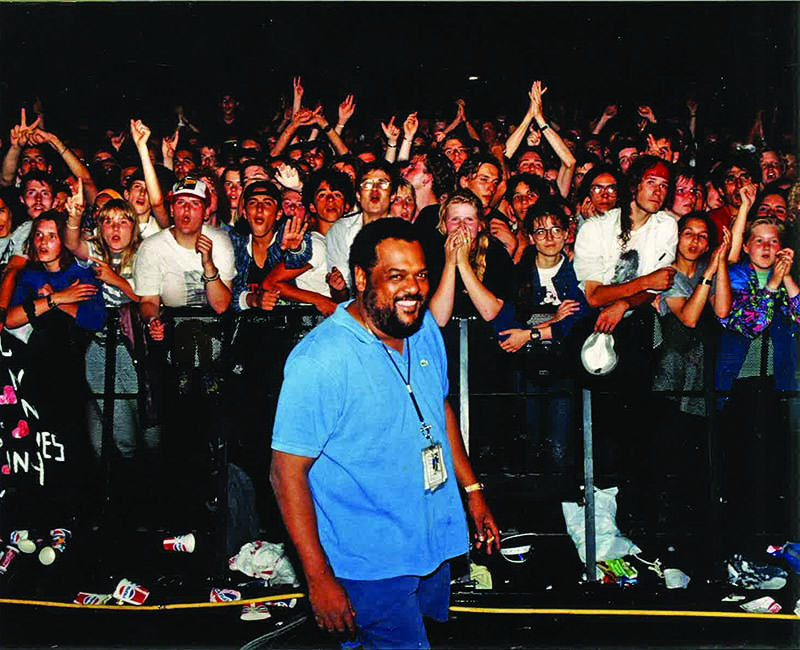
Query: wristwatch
[(535, 334)]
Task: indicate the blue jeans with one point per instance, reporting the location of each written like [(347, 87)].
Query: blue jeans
[(389, 612)]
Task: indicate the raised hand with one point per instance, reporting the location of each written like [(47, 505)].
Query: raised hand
[(410, 126), (535, 109), (748, 195), (305, 116), (691, 104), (391, 131), (647, 113), (293, 233), (297, 93), (140, 133), (21, 132), (289, 177), (76, 204), (611, 111), (346, 109)]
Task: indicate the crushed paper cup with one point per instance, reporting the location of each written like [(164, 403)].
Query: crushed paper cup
[(180, 543), (21, 539), (765, 605), (7, 558), (85, 598), (131, 593), (255, 612), (224, 595)]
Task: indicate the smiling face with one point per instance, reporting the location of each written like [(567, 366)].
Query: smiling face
[(762, 246), (394, 292)]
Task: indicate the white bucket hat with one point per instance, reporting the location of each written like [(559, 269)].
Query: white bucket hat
[(597, 354)]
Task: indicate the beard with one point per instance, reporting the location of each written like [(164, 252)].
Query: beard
[(386, 317)]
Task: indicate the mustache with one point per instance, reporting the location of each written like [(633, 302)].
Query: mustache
[(418, 297)]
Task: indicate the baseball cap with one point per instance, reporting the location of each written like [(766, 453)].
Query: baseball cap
[(190, 186), (261, 188)]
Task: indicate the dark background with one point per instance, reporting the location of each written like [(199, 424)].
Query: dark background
[(98, 64)]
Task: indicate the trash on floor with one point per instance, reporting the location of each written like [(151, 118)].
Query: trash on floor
[(749, 575)]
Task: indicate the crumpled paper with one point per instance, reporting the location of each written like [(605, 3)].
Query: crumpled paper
[(266, 561)]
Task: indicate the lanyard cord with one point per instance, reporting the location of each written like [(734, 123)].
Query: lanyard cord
[(425, 429)]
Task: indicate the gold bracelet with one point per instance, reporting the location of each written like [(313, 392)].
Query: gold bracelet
[(474, 487)]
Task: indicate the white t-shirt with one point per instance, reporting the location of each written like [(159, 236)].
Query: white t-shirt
[(15, 242), (546, 276), (165, 268), (339, 239), (598, 256), (314, 278), (149, 228)]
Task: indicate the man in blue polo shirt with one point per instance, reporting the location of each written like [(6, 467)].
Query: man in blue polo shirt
[(368, 457)]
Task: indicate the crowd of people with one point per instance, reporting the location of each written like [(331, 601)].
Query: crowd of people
[(659, 232)]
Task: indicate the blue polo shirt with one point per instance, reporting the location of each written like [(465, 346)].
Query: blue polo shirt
[(344, 404)]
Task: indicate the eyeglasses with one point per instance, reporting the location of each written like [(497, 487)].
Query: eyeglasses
[(555, 232), (732, 178), (380, 183), (597, 190)]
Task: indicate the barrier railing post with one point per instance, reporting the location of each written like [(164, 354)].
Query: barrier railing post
[(588, 481), (463, 379)]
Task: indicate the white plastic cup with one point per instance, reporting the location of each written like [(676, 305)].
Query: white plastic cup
[(181, 543), (676, 579)]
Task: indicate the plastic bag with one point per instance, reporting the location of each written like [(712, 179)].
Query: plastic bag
[(610, 542)]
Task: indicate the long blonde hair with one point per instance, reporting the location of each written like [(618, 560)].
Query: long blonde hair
[(477, 254), (117, 207)]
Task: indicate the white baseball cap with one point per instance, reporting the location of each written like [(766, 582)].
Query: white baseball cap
[(597, 354)]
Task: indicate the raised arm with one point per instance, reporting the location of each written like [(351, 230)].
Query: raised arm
[(336, 141), (38, 136), (303, 117), (140, 134), (346, 110), (609, 114), (392, 133), (748, 196), (565, 172), (73, 240), (19, 138), (410, 127)]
